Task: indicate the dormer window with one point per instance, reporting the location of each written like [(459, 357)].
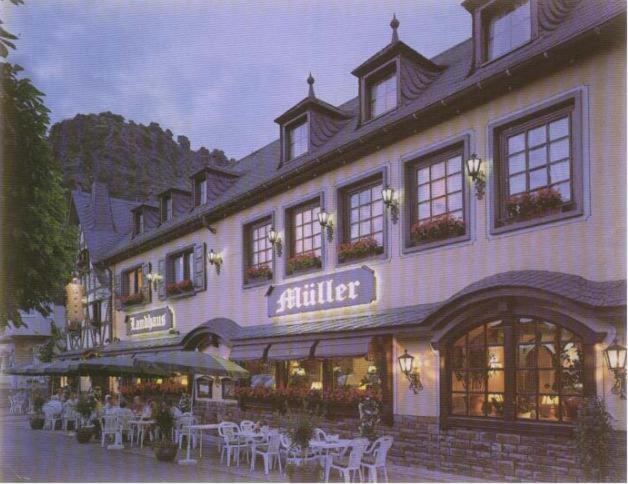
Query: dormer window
[(382, 92), (139, 222), (298, 139), (200, 191), (507, 27), (166, 208)]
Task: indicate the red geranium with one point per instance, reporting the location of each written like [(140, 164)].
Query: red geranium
[(364, 247)]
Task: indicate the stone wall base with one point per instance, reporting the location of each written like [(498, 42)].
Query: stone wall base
[(419, 441)]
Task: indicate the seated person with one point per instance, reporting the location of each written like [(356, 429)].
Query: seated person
[(147, 410), (138, 405), (109, 406)]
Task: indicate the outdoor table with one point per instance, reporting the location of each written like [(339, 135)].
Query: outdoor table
[(141, 428), (200, 428), (253, 437), (326, 446)]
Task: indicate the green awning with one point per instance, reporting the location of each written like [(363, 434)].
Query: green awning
[(170, 362), (58, 367), (114, 365)]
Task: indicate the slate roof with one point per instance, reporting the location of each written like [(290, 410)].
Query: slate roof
[(605, 294), (260, 168)]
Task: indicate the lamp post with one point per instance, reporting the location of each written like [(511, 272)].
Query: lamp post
[(406, 364), (615, 356), (391, 203), (275, 241), (474, 169), (326, 223)]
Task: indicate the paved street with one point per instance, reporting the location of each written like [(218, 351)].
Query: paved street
[(36, 456)]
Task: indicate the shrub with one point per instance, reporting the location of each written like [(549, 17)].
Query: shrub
[(85, 406), (165, 421), (38, 402), (593, 438)]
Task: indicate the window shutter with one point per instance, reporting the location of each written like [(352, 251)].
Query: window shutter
[(161, 286), (117, 290), (199, 266), (145, 282)]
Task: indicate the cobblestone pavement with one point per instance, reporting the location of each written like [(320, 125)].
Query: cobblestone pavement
[(39, 456)]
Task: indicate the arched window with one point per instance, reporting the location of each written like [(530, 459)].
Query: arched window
[(516, 369)]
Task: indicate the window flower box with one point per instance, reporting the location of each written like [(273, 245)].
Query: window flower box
[(258, 274), (152, 389), (528, 206), (182, 287), (360, 249), (304, 262), (438, 228), (132, 299)]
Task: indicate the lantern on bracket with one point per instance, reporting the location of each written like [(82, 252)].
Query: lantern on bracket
[(275, 240), (474, 169), (325, 221), (615, 356), (406, 364)]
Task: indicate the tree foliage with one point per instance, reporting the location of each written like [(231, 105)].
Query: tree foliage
[(37, 246)]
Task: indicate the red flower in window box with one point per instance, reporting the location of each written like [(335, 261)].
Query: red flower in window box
[(437, 228), (259, 272), (304, 261), (534, 204), (181, 287), (130, 299), (364, 247)]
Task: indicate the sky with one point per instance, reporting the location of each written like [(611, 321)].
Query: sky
[(218, 72)]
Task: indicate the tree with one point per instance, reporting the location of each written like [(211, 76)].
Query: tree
[(37, 246)]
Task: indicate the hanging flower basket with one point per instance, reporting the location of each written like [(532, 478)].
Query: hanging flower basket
[(258, 273), (438, 228), (532, 205), (365, 247), (131, 299), (181, 287), (304, 262)]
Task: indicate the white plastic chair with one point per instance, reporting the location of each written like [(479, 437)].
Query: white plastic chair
[(269, 452), (375, 457), (319, 434), (349, 465), (180, 430), (69, 415), (232, 445), (51, 417), (292, 453), (247, 426), (110, 426)]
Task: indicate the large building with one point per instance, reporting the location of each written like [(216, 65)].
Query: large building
[(365, 231)]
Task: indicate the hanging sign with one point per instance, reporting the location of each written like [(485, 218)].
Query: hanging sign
[(149, 321), (339, 290)]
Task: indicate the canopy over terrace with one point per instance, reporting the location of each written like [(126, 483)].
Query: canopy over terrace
[(190, 362)]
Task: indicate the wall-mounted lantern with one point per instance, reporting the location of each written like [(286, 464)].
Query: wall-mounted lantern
[(155, 279), (214, 260), (390, 202), (275, 240), (412, 374), (615, 356), (326, 223), (474, 169)]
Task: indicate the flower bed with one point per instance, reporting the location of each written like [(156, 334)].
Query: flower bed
[(303, 262), (532, 205), (365, 247), (130, 299), (262, 272), (437, 228), (181, 287), (151, 388)]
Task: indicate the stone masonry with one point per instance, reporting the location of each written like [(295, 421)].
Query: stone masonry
[(419, 441)]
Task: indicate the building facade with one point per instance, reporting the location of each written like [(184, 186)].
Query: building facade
[(364, 233)]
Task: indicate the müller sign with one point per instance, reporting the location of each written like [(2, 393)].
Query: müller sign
[(149, 321), (339, 290)]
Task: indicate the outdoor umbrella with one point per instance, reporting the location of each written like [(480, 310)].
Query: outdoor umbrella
[(170, 362), (114, 365), (60, 367), (31, 369)]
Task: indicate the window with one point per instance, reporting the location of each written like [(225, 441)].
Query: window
[(166, 208), (507, 28), (228, 389), (258, 251), (365, 213), (537, 167), (306, 374), (200, 191), (437, 188), (351, 372), (204, 387), (132, 281), (547, 373), (182, 267), (139, 222), (298, 140), (305, 237), (383, 95), (96, 312)]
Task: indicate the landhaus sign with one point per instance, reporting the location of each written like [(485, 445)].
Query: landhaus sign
[(149, 321), (339, 290)]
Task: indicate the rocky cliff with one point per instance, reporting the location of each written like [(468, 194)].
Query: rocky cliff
[(135, 161)]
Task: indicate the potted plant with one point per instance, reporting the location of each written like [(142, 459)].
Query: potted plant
[(365, 247), (165, 450), (85, 406), (594, 439), (437, 228), (369, 409), (300, 429), (303, 262), (258, 273), (37, 419)]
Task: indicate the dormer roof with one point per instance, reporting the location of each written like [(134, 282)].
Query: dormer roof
[(171, 190)]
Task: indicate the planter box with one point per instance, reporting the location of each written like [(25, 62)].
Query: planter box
[(532, 216), (349, 258)]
